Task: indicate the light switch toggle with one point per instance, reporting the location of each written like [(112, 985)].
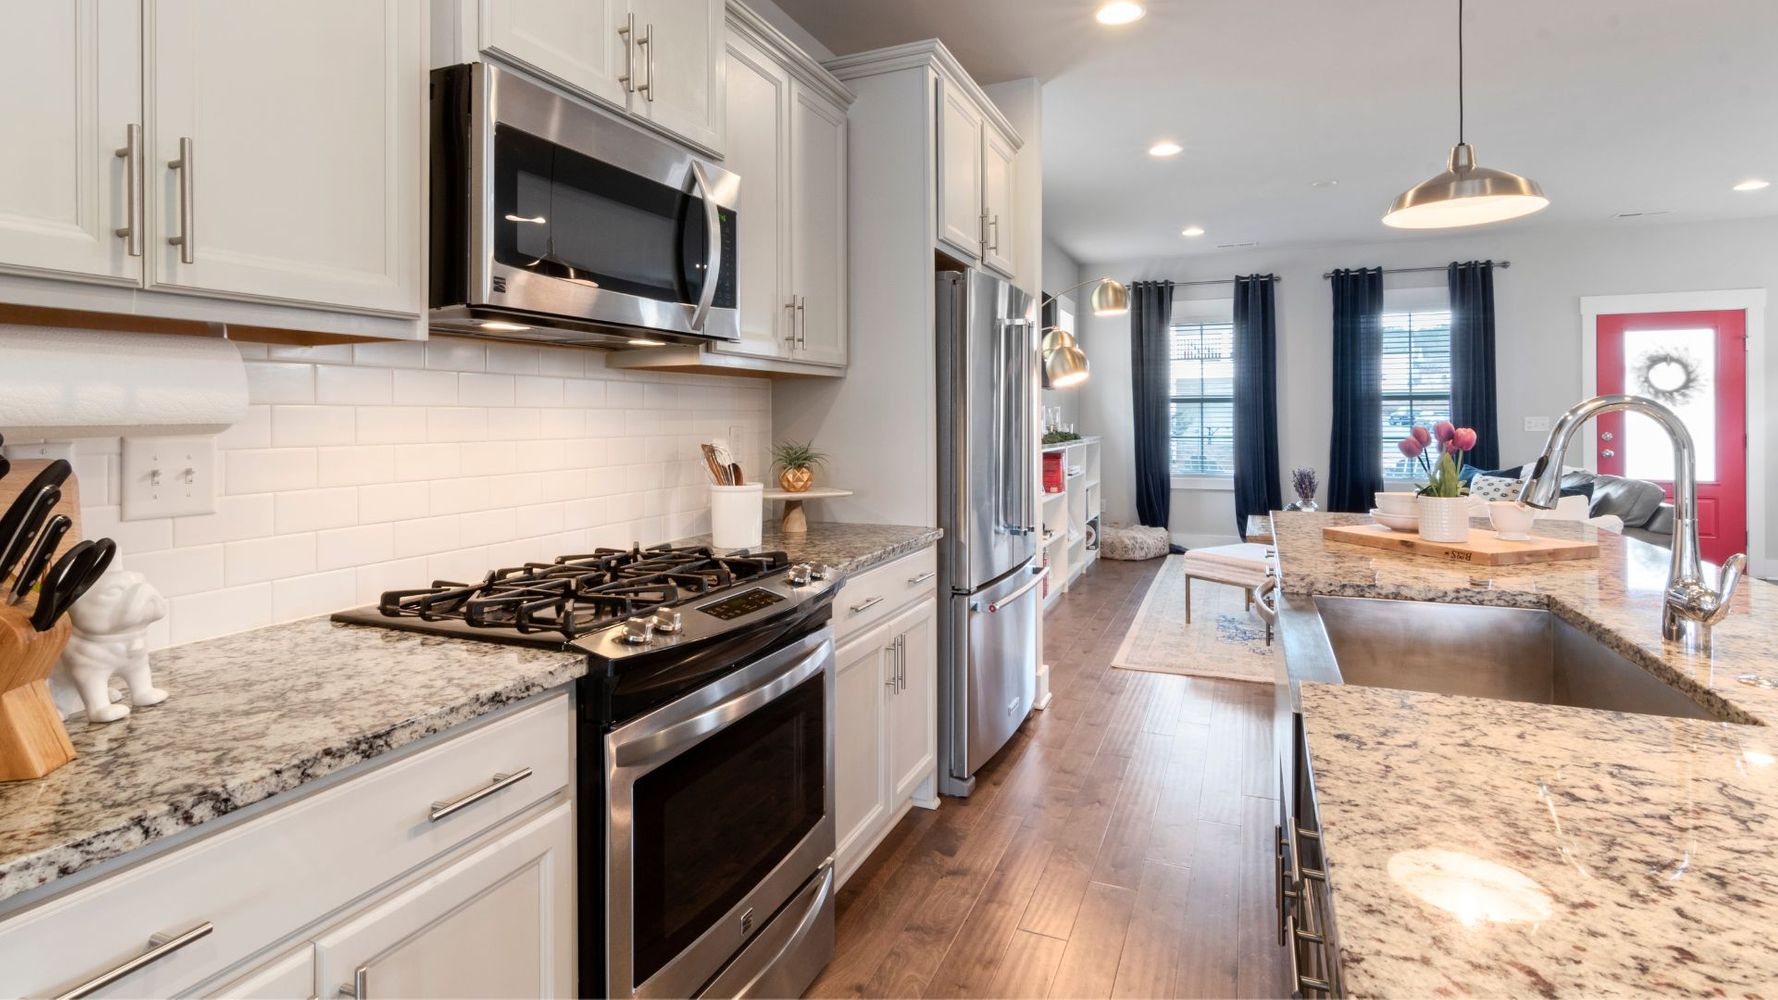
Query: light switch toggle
[(169, 476)]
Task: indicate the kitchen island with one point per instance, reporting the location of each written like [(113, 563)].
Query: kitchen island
[(1479, 847)]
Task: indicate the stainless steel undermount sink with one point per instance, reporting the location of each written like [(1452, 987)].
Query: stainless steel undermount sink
[(1512, 654)]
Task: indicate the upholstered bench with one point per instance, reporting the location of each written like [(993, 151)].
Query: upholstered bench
[(1246, 565)]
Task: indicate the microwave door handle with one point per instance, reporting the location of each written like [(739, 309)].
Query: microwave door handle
[(713, 255)]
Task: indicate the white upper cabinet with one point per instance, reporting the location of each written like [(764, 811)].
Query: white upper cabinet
[(818, 229), (286, 158), (960, 222), (577, 43), (73, 85), (759, 150), (998, 214), (680, 56)]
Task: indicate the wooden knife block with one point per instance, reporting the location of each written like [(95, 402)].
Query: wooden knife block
[(33, 741)]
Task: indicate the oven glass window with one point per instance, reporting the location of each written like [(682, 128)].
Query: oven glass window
[(560, 213), (715, 820)]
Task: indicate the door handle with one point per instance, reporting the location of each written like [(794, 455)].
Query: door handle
[(501, 781), (627, 31), (646, 88), (160, 946), (901, 660), (185, 241), (133, 182), (802, 321), (915, 581), (791, 305), (713, 254), (863, 606), (994, 607)]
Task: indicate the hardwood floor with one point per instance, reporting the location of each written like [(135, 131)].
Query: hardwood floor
[(1119, 846)]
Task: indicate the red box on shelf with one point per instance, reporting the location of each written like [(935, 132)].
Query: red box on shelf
[(1053, 476)]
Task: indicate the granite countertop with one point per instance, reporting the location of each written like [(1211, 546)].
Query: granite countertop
[(851, 548), (263, 712), (1645, 840)]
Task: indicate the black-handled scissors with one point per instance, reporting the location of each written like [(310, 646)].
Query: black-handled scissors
[(69, 579), (47, 540)]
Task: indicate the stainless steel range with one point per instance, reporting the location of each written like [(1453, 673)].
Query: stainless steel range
[(706, 722)]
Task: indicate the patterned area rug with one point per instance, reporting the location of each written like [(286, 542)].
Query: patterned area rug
[(1223, 640)]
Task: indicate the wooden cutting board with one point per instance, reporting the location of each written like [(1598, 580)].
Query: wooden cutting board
[(1484, 548)]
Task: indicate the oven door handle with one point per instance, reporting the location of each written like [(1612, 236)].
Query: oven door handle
[(644, 751), (712, 255)]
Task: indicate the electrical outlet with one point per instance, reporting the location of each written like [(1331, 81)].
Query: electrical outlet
[(50, 450), (168, 476), (1537, 425)]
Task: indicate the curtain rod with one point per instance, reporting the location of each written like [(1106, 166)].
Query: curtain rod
[(1411, 270), (1220, 281)]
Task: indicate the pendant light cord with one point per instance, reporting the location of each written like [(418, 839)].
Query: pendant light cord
[(1460, 71)]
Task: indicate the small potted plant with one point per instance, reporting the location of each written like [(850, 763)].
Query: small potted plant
[(796, 465), (1443, 501), (1303, 481)]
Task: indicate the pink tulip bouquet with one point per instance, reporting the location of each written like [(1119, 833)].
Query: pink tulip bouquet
[(1452, 444)]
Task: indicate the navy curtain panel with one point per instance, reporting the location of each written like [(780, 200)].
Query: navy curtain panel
[(1471, 285), (1151, 314), (1355, 460), (1257, 490)]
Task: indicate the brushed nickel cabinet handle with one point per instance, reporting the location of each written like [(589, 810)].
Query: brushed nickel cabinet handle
[(646, 89), (501, 781), (901, 661), (160, 946), (359, 986), (915, 581), (802, 321), (185, 241), (131, 154), (627, 31), (863, 606)]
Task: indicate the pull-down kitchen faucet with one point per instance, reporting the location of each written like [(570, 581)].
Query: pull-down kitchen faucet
[(1689, 598)]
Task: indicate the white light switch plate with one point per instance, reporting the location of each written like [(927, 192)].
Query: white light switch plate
[(169, 476), (1537, 425), (51, 450)]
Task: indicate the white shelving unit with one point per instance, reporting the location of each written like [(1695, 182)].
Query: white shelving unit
[(1071, 517)]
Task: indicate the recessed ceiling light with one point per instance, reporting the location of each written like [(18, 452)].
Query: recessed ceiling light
[(1192, 231), (1120, 12), (502, 325), (1166, 147), (646, 342), (1753, 184)]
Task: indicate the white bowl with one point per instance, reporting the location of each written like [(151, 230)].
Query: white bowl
[(1396, 522), (1403, 504)]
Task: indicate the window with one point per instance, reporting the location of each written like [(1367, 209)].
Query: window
[(1416, 381), (1202, 385)]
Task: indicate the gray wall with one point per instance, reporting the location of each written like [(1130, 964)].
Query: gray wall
[(1538, 326)]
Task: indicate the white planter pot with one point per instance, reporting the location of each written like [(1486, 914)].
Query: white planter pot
[(1444, 519)]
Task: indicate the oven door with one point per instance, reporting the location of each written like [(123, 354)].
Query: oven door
[(590, 219), (720, 814)]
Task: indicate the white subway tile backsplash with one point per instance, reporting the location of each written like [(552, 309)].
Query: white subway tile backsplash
[(338, 384), (380, 466), (274, 558), (310, 510)]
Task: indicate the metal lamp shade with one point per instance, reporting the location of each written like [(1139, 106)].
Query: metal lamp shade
[(1111, 298), (1055, 338), (1465, 195), (1066, 366)]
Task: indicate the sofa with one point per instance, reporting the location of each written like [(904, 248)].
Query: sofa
[(1642, 505)]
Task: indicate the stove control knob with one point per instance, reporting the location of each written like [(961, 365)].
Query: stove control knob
[(823, 571), (638, 631), (668, 622), (801, 574)]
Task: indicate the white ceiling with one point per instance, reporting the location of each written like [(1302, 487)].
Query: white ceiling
[(1612, 105)]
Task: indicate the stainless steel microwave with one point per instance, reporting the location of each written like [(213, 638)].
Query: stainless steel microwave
[(555, 222)]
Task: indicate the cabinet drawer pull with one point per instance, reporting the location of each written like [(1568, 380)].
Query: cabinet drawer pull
[(628, 32), (160, 946), (442, 809), (134, 202), (646, 88), (185, 241), (359, 986), (915, 581), (1301, 981), (862, 606)]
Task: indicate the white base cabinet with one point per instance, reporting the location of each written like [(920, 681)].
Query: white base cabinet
[(886, 707)]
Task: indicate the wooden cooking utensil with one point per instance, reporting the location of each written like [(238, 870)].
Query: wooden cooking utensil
[(33, 741)]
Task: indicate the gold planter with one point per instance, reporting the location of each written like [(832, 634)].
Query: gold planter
[(796, 480)]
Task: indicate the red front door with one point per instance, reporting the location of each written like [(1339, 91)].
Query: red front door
[(1696, 364)]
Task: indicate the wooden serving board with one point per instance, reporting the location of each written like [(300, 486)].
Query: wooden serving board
[(1484, 547)]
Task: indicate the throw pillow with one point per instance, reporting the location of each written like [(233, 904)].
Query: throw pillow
[(1495, 487)]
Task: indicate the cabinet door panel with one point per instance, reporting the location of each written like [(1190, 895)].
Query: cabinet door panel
[(913, 720), (860, 785), (73, 83), (759, 150), (818, 229), (305, 124), (684, 70), (498, 922), (997, 201), (575, 42), (959, 172), (290, 976)]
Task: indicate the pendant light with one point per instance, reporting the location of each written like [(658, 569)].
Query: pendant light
[(1465, 194), (1063, 360)]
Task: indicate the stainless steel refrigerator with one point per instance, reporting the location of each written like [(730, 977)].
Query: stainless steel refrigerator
[(987, 491)]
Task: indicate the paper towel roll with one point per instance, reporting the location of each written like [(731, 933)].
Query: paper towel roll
[(58, 383)]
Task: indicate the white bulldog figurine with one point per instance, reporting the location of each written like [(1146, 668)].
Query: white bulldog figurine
[(110, 638)]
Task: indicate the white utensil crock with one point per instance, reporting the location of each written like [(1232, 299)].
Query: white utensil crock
[(1444, 519), (737, 516)]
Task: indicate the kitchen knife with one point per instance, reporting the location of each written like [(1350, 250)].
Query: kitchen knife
[(47, 540), (30, 519), (11, 548)]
